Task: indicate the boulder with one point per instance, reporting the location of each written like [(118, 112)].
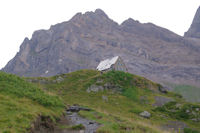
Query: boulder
[(145, 114), (59, 79)]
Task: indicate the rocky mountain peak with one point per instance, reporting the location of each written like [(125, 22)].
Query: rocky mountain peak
[(86, 39), (77, 15), (130, 22), (197, 16), (194, 30), (95, 19), (100, 13)]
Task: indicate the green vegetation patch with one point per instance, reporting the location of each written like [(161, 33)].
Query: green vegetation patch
[(114, 124), (128, 84), (119, 101), (126, 96), (12, 84), (21, 103), (179, 111)]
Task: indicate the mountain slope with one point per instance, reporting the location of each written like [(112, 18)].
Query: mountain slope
[(116, 100), (86, 39), (194, 30)]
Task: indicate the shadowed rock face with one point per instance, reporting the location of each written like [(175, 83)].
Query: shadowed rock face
[(194, 30), (86, 39)]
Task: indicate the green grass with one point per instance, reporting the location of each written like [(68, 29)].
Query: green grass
[(115, 124), (11, 84), (124, 99), (78, 127), (127, 96), (22, 102), (122, 80)]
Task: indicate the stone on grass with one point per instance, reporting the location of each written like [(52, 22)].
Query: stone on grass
[(95, 88), (76, 108), (145, 114)]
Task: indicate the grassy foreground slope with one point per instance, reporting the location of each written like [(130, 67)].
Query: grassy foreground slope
[(22, 102), (117, 99)]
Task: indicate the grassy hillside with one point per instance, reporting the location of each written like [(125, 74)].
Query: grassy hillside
[(22, 102), (117, 99)]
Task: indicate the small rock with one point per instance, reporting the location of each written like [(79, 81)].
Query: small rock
[(99, 81), (187, 111), (91, 122), (95, 88), (197, 109), (73, 109), (196, 119), (178, 105), (59, 79), (145, 114), (76, 108)]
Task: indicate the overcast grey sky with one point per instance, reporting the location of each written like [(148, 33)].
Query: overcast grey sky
[(20, 18)]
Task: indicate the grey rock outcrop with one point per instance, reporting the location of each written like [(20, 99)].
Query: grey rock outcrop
[(194, 30), (76, 108), (95, 88), (105, 86), (80, 43)]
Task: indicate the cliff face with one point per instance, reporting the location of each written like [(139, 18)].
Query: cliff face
[(194, 30), (86, 39)]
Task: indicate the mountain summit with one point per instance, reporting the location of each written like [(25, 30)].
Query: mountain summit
[(194, 30), (86, 39)]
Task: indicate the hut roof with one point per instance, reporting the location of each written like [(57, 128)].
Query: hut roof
[(106, 64)]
